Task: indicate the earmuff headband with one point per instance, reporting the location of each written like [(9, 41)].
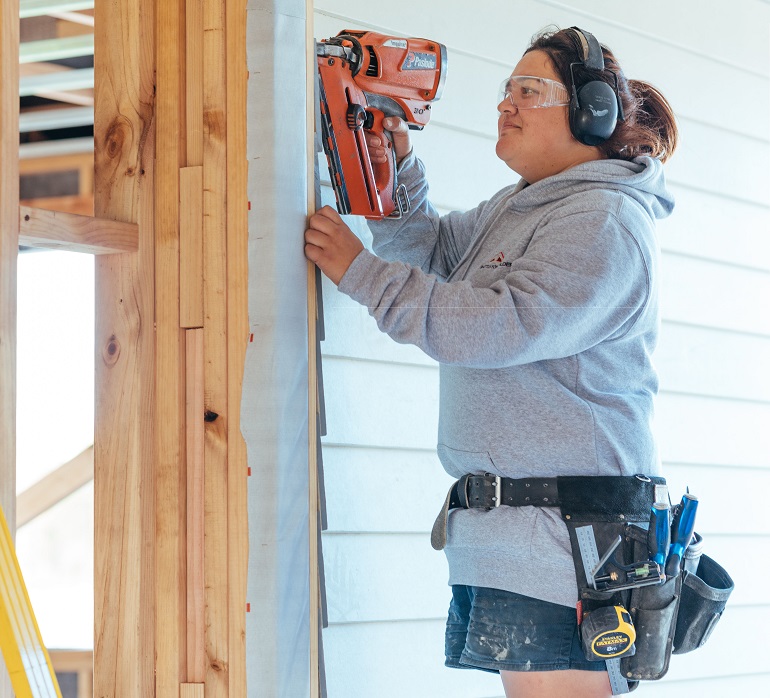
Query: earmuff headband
[(590, 48)]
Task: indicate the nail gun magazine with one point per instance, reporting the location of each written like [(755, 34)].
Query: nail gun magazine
[(365, 77)]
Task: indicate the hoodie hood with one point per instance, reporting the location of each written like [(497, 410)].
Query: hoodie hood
[(641, 178)]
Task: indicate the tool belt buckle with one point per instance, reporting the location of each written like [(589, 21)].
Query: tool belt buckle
[(498, 498)]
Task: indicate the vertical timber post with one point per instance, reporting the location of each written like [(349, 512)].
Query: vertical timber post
[(237, 232), (172, 325), (124, 474), (9, 250)]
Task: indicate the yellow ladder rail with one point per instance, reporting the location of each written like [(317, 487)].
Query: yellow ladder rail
[(29, 666)]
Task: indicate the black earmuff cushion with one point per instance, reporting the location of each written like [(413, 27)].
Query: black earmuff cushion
[(594, 114)]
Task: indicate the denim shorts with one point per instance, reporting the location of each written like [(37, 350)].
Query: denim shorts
[(495, 630)]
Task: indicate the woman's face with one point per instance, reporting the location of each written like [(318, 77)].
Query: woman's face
[(538, 143)]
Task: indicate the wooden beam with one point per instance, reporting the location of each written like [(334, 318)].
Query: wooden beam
[(194, 80), (215, 339), (124, 453), (9, 250), (54, 487), (191, 246), (170, 478), (237, 340), (74, 17), (55, 230), (196, 507)]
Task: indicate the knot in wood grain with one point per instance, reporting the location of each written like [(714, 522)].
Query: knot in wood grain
[(111, 351), (116, 137), (215, 125)]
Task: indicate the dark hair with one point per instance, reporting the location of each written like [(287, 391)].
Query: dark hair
[(649, 127)]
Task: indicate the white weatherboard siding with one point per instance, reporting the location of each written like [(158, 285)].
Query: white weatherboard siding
[(386, 587)]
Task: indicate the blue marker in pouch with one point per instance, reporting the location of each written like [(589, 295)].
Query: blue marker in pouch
[(681, 533), (659, 533)]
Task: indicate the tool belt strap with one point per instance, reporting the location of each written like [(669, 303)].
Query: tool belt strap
[(580, 498)]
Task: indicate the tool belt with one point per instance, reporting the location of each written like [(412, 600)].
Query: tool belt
[(673, 616), (580, 498)]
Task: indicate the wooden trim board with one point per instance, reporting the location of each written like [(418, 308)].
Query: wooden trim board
[(54, 487), (55, 230)]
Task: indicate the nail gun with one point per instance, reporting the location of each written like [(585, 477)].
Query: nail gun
[(364, 78)]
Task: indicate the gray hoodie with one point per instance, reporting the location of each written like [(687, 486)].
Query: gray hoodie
[(541, 306)]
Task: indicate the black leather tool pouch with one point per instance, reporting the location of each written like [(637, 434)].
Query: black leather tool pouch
[(704, 596), (654, 612), (671, 617)]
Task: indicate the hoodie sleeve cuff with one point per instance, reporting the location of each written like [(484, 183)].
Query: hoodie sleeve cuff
[(363, 268), (408, 161)]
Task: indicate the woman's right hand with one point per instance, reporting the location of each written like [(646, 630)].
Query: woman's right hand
[(402, 144)]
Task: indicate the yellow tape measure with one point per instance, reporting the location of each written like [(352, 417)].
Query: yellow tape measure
[(608, 632)]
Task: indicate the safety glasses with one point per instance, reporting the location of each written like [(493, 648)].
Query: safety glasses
[(530, 92)]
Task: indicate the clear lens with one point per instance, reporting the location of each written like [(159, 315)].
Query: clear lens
[(529, 92)]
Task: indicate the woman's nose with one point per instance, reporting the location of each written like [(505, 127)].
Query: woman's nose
[(506, 105)]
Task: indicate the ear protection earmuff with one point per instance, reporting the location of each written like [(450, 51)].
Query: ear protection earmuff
[(594, 109)]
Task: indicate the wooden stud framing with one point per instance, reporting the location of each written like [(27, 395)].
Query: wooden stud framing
[(194, 81), (196, 520), (215, 345), (56, 230), (54, 487), (170, 475), (124, 457), (188, 369), (169, 459), (237, 337), (9, 247), (191, 247)]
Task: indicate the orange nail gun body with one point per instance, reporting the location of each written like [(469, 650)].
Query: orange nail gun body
[(364, 78)]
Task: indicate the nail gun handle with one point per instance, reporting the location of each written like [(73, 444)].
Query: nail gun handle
[(384, 174)]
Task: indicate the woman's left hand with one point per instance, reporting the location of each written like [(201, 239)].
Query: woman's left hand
[(330, 244)]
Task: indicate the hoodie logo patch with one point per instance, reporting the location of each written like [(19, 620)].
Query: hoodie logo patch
[(497, 261)]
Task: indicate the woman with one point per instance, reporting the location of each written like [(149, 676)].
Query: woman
[(541, 307)]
